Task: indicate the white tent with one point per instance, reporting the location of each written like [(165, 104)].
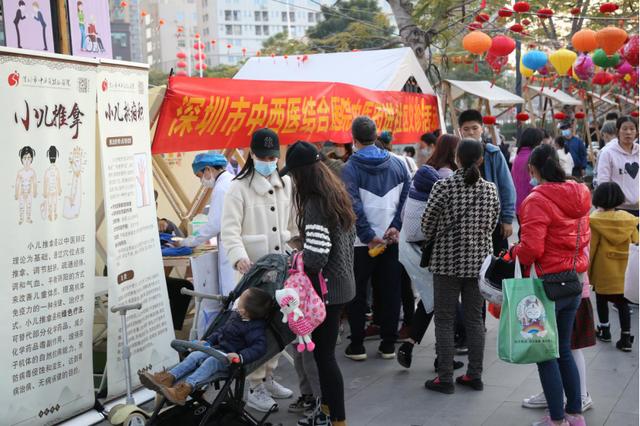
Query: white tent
[(372, 69), (558, 97), (497, 96)]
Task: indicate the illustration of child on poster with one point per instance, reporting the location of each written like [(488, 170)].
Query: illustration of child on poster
[(52, 189), (27, 24), (26, 182), (73, 201)]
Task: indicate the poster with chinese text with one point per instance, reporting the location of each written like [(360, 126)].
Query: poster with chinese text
[(28, 24), (46, 305), (205, 280), (134, 259), (90, 28)]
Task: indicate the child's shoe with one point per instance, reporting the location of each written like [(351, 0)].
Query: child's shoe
[(304, 403), (546, 421), (178, 394), (626, 341), (156, 381), (575, 420), (260, 400), (603, 333), (276, 390), (535, 401)]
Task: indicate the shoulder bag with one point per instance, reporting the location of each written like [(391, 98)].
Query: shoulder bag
[(566, 283)]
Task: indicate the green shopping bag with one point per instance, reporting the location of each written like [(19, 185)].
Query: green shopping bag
[(528, 331)]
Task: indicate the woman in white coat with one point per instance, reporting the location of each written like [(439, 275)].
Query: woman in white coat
[(210, 168), (257, 220)]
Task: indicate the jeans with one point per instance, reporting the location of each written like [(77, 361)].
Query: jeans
[(202, 367), (562, 373), (386, 269)]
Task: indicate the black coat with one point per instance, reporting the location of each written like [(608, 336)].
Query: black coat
[(247, 338)]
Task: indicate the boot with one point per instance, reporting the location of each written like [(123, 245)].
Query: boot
[(178, 394), (156, 381), (625, 342), (603, 333)]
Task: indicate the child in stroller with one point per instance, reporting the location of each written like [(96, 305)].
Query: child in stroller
[(242, 337), (219, 400)]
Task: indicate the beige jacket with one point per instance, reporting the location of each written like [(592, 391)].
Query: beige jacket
[(257, 217)]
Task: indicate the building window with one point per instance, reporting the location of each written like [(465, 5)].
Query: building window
[(205, 17), (265, 16), (205, 3), (236, 15), (285, 29), (228, 29), (257, 15), (312, 17), (227, 15), (237, 30), (284, 16), (292, 16), (258, 30), (265, 30)]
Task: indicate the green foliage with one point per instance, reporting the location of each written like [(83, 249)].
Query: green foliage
[(157, 78), (222, 71), (280, 44)]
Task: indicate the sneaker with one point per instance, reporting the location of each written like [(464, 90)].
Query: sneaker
[(457, 365), (316, 419), (404, 333), (625, 344), (546, 421), (603, 333), (575, 420), (535, 401), (260, 400), (355, 352), (438, 386), (276, 390), (302, 404), (475, 384), (462, 349), (372, 332), (387, 350), (587, 403), (405, 354)]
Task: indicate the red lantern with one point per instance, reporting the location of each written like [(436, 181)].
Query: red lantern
[(198, 45), (200, 56), (575, 11), (273, 55), (522, 116), (482, 17), (161, 22), (244, 51), (526, 22), (180, 29), (505, 12), (489, 120), (229, 46), (559, 116), (635, 114), (521, 7), (474, 26), (197, 36), (201, 67), (123, 4), (305, 58), (181, 64), (544, 13), (495, 62), (516, 28), (213, 42), (608, 8), (580, 115), (181, 55), (502, 45), (143, 13), (258, 53), (602, 78), (286, 57), (181, 73)]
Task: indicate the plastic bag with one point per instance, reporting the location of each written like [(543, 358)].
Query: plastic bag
[(528, 331)]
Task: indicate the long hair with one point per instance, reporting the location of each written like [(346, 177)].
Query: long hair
[(317, 181), (444, 154), (249, 170), (545, 159), (531, 137), (469, 152)]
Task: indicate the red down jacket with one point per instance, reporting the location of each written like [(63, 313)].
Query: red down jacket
[(549, 219)]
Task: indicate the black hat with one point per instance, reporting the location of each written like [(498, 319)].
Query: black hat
[(300, 154), (265, 143)]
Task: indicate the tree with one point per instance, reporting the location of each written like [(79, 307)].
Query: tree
[(222, 71), (280, 44), (157, 78)]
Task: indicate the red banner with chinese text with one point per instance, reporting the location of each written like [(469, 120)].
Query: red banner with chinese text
[(207, 113)]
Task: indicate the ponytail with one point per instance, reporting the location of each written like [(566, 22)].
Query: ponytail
[(544, 159), (469, 152)]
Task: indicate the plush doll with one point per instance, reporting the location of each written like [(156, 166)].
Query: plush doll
[(289, 302)]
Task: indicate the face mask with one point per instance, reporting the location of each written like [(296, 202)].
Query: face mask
[(207, 183), (265, 168), (353, 147), (534, 182), (566, 133), (426, 152)]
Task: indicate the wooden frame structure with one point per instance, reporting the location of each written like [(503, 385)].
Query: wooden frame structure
[(550, 98)]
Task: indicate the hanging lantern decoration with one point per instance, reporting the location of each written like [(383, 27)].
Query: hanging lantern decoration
[(516, 28), (505, 12), (229, 48), (602, 78), (526, 22), (489, 120), (123, 4), (181, 55), (624, 68), (611, 39), (559, 116), (630, 50), (496, 62), (200, 56), (544, 13), (526, 72), (181, 64), (482, 17), (244, 52), (476, 42), (522, 116), (584, 41), (575, 11), (580, 115), (562, 60), (197, 36), (584, 68), (534, 59), (305, 58), (502, 45), (143, 13), (180, 29), (601, 59), (635, 114), (608, 8), (474, 26), (521, 7), (181, 73), (161, 22)]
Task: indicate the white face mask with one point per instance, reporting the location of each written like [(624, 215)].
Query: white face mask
[(208, 183)]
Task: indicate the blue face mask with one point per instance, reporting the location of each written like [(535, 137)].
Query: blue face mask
[(265, 168), (566, 133), (534, 182)]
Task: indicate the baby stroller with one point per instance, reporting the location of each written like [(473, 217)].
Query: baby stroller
[(226, 407)]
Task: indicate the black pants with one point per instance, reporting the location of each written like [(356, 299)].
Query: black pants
[(420, 323), (602, 305), (407, 296), (331, 384), (386, 269), (499, 243), (179, 303)]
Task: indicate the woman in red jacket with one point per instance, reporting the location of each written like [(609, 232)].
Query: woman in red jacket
[(553, 217)]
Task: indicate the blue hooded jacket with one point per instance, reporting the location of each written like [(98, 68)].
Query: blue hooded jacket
[(423, 182), (497, 172), (378, 184)]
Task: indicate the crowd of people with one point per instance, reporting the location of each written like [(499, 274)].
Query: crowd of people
[(389, 230)]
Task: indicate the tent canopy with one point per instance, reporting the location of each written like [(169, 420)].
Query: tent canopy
[(497, 96), (557, 96), (373, 69)]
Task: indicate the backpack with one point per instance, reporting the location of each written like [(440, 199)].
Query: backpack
[(301, 306)]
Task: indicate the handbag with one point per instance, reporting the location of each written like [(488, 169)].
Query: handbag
[(427, 247), (566, 283)]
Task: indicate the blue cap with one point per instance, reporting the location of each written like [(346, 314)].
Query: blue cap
[(211, 159)]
